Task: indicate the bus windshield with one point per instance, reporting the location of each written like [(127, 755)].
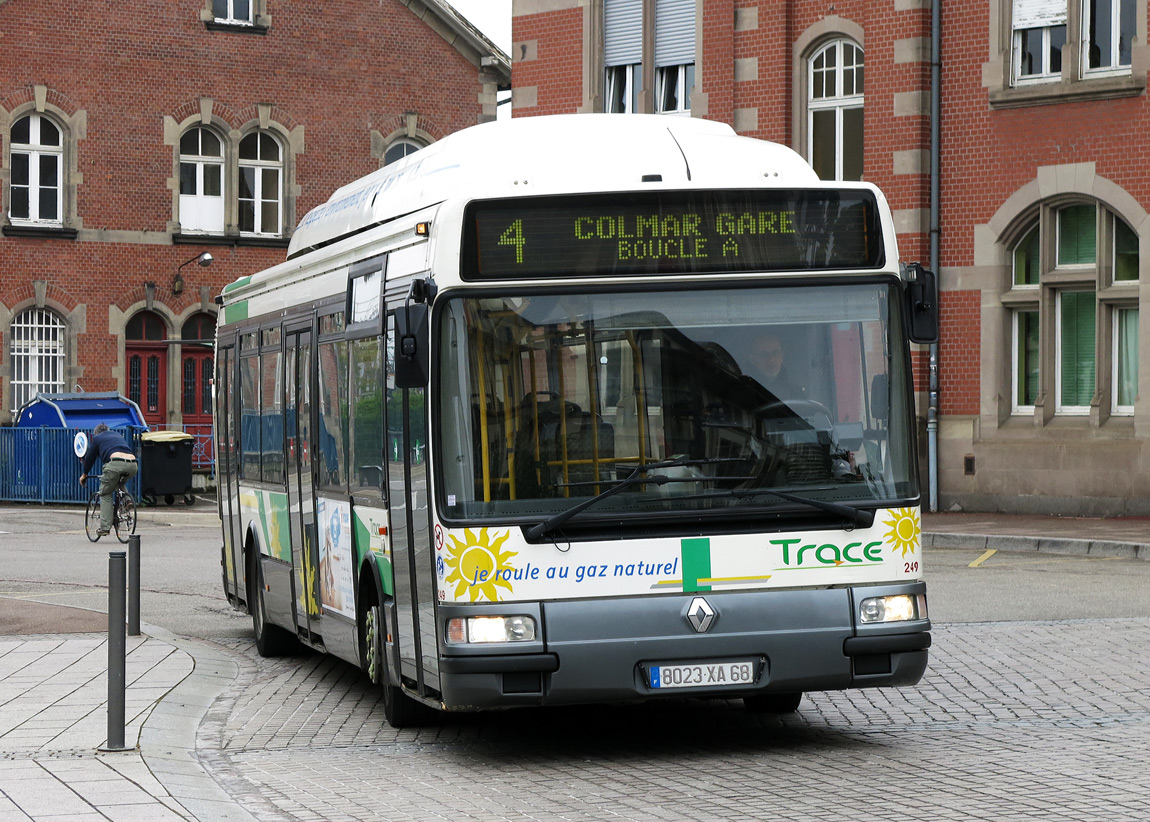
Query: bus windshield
[(546, 399)]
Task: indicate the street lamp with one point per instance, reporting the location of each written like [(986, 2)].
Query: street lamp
[(204, 259)]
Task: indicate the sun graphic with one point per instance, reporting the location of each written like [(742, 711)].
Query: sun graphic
[(905, 531), (477, 565)]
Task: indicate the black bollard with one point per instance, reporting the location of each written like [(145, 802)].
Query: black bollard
[(134, 585), (117, 650)]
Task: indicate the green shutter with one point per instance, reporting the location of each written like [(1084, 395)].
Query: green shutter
[(1077, 317), (1076, 235)]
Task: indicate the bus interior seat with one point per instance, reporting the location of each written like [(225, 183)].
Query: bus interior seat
[(543, 476)]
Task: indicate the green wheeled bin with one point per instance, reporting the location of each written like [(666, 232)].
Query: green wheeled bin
[(166, 466)]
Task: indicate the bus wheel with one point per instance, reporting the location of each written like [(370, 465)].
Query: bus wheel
[(773, 703), (271, 640), (400, 710)]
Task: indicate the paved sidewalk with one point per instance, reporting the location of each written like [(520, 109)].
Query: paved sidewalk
[(53, 695), (53, 720)]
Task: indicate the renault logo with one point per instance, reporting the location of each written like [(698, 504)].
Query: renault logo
[(700, 615)]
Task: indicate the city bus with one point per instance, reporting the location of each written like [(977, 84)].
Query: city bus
[(582, 409)]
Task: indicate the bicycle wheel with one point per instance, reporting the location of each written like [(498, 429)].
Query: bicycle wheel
[(92, 518), (125, 516)]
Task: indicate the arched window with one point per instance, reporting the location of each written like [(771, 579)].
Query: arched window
[(261, 184), (37, 349), (835, 111), (147, 325), (400, 149), (1075, 266), (201, 182), (37, 171)]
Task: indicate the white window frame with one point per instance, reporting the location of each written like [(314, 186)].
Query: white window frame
[(1115, 359), (1016, 343), (626, 74), (202, 213), (37, 350), (682, 88), (1043, 17), (1047, 73), (261, 165), (231, 18), (1115, 67), (838, 101), (1059, 408), (36, 151)]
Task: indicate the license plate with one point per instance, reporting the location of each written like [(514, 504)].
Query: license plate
[(703, 674)]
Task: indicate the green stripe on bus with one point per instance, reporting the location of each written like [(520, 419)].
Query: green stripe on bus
[(696, 564), (241, 281), (236, 312)]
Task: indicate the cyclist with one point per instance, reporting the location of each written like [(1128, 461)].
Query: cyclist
[(119, 466)]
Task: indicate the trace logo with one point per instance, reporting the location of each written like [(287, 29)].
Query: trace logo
[(798, 555)]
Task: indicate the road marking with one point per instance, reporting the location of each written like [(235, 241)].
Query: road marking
[(983, 558)]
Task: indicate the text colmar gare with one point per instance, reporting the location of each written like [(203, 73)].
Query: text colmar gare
[(653, 236)]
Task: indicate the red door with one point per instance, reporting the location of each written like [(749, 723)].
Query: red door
[(148, 381), (196, 386), (146, 354)]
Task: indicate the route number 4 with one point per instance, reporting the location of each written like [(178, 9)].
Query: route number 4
[(514, 236)]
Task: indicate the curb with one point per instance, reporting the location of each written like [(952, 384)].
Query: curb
[(167, 738), (1045, 545)]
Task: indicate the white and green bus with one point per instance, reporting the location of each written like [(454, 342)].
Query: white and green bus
[(582, 409)]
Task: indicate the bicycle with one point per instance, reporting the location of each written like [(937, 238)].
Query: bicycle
[(123, 515)]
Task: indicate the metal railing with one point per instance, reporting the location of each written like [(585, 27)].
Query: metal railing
[(40, 465), (204, 446)]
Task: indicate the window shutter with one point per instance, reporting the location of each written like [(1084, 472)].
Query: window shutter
[(674, 32), (1035, 14), (1076, 235), (622, 32), (1077, 348)]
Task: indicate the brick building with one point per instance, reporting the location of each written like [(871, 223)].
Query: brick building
[(1042, 195), (136, 138)]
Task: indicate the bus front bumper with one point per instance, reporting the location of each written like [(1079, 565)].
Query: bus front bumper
[(614, 650)]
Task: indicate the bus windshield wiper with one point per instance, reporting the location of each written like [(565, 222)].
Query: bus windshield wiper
[(634, 478), (856, 516)]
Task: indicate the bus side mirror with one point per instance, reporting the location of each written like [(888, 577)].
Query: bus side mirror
[(921, 305), (411, 360)]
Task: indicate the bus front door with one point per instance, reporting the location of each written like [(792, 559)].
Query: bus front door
[(413, 560), (228, 494), (301, 501)]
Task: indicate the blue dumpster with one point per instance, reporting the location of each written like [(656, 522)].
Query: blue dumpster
[(81, 410), (38, 459)]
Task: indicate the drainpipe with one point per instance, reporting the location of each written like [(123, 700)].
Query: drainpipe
[(935, 106)]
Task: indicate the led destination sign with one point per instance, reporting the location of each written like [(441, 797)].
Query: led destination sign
[(671, 232)]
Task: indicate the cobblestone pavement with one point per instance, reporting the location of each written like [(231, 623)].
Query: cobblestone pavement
[(1041, 720)]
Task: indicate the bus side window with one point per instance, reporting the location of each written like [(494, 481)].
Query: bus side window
[(333, 415), (367, 415)]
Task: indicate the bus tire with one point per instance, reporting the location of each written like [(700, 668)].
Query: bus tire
[(773, 703), (271, 640), (400, 710)]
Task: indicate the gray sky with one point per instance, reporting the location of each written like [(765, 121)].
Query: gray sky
[(492, 17)]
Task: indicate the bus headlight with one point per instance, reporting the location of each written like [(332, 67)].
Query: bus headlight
[(900, 608), (462, 631)]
